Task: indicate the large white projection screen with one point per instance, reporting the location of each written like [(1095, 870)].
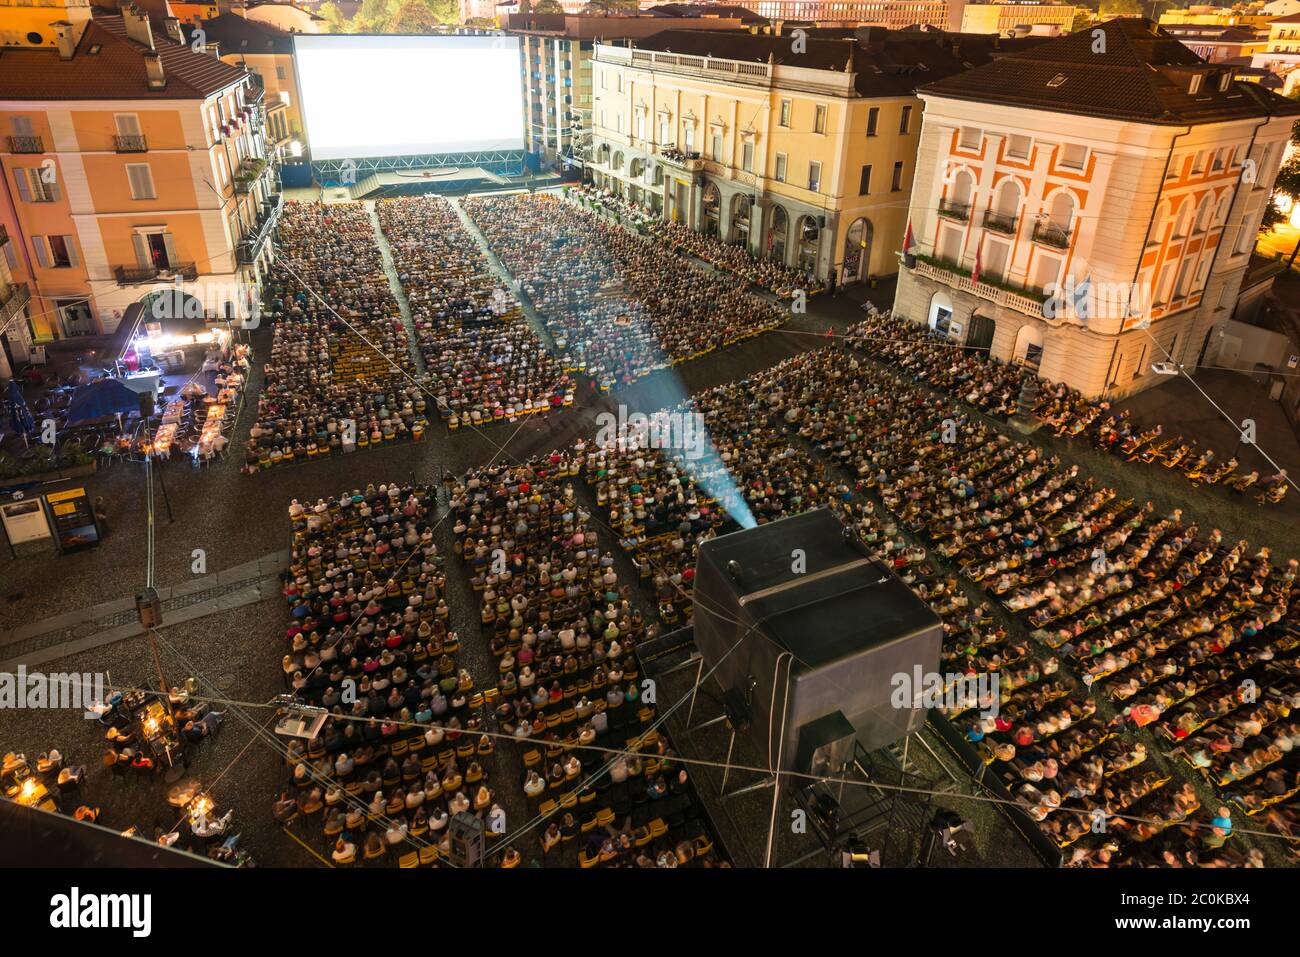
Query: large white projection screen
[(370, 96)]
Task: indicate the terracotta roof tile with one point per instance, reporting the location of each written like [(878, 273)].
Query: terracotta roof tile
[(116, 70), (1141, 73)]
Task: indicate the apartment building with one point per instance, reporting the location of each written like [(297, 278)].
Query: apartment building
[(556, 51), (805, 152), (131, 162), (1090, 212), (266, 52), (1216, 44), (957, 16)]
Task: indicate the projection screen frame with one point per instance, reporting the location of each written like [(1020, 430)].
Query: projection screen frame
[(504, 160)]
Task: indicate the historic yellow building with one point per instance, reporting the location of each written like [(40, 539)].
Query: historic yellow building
[(1253, 16), (800, 146), (1284, 35), (30, 23), (130, 162)]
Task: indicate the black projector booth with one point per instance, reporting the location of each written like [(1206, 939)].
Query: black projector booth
[(805, 632)]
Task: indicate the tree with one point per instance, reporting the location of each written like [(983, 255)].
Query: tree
[(1082, 19), (374, 16), (548, 6), (447, 11), (413, 16), (335, 22)]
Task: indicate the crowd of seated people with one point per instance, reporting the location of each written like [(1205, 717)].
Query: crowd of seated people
[(339, 373), (484, 361), (411, 735), (1119, 605), (562, 630), (621, 305), (775, 277), (370, 639), (659, 513), (994, 387)]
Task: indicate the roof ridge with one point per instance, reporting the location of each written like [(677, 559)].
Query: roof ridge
[(1148, 75)]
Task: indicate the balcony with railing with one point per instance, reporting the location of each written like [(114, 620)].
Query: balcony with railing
[(954, 210), (268, 217), (1050, 234), (1000, 222), (689, 162), (26, 144), (131, 143), (13, 296), (249, 172), (135, 275), (1027, 301)]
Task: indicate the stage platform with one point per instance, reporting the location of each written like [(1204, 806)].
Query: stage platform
[(450, 181)]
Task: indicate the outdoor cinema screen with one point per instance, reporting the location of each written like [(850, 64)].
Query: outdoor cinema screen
[(372, 96)]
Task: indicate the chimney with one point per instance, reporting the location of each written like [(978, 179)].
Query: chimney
[(153, 68), (137, 25), (65, 39), (173, 27)]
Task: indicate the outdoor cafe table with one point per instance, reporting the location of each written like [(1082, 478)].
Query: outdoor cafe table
[(162, 441)]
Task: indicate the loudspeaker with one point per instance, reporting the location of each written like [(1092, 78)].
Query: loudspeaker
[(146, 404)]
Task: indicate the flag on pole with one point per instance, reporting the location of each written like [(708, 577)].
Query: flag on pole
[(975, 273), (907, 238)]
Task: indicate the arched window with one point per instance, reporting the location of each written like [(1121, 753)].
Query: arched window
[(778, 232), (1203, 213), (857, 250), (740, 207), (962, 190), (940, 317), (1062, 212), (809, 238), (1007, 202), (1029, 345), (712, 209)]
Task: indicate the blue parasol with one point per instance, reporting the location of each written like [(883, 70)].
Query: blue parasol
[(99, 399)]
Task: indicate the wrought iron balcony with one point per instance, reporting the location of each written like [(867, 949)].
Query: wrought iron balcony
[(26, 144), (251, 248), (134, 275), (1050, 234), (954, 210), (688, 161), (131, 143), (12, 298), (999, 222)]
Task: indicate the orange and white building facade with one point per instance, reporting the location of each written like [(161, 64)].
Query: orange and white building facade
[(131, 162), (1088, 245)]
